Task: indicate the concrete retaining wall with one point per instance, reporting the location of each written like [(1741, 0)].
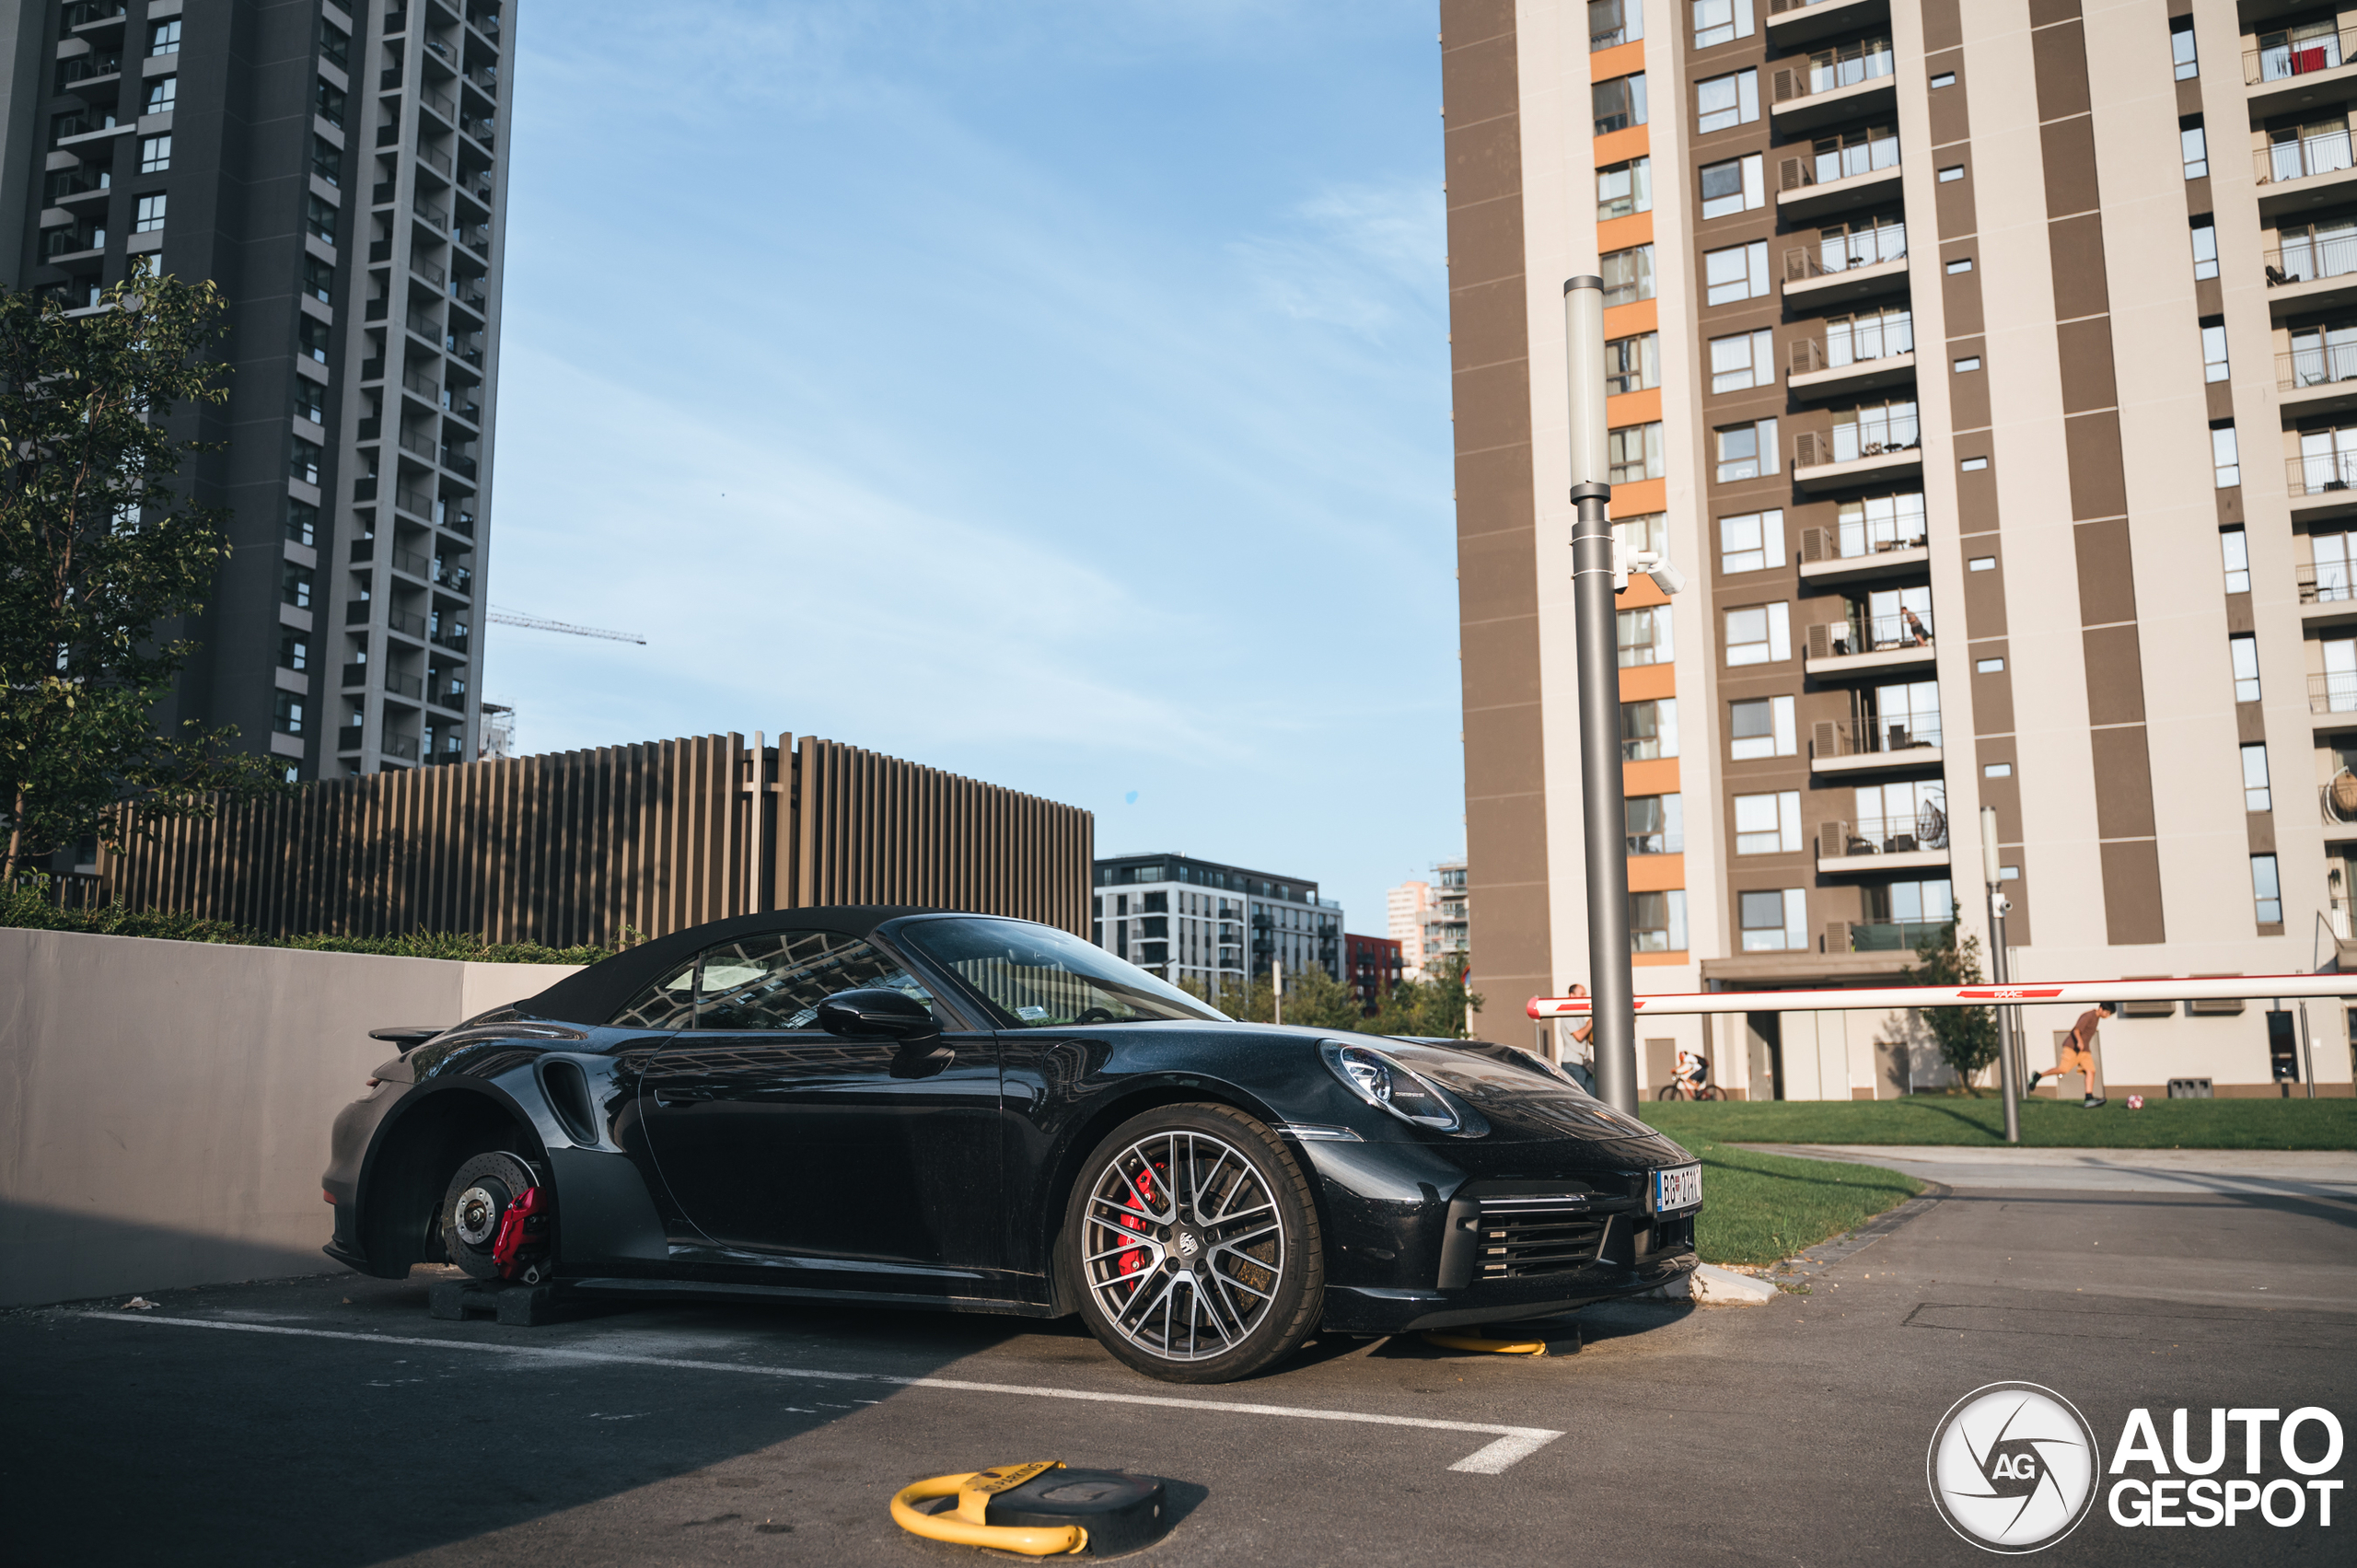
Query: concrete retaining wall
[(164, 1106)]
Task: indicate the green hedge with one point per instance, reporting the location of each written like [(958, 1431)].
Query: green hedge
[(27, 906)]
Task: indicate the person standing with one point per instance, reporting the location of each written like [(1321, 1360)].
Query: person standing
[(2077, 1052)]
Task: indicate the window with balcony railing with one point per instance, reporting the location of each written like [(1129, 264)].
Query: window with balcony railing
[(1873, 525), (1904, 914), (1657, 824), (2334, 689), (1849, 154), (2319, 147), (1872, 429), (2295, 52), (2328, 579), (2327, 461), (1846, 65)]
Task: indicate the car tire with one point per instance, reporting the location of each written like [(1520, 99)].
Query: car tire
[(1192, 1239), (478, 1195)]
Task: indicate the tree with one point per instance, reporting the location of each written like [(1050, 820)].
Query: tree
[(1433, 1007), (1968, 1035), (1314, 1000), (97, 550)]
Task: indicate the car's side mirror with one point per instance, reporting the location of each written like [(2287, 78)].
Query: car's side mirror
[(880, 1014)]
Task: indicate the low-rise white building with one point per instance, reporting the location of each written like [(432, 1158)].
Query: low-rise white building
[(1218, 925)]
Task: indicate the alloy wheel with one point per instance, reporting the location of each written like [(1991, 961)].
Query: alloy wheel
[(1183, 1245)]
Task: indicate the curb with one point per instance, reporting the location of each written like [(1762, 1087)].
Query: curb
[(1806, 1264)]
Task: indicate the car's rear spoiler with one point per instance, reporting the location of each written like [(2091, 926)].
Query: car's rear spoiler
[(406, 1037)]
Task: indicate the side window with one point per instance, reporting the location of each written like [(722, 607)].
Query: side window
[(668, 1003), (777, 981)]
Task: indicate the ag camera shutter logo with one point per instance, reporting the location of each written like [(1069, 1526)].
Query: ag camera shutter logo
[(2012, 1468)]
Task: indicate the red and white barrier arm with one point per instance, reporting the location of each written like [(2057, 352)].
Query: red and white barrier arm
[(1890, 998)]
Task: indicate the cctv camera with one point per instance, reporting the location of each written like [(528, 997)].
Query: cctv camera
[(2001, 904), (1666, 577)]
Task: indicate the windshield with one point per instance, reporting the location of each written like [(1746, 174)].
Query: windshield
[(1035, 977)]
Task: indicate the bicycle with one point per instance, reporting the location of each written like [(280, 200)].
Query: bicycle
[(1680, 1089)]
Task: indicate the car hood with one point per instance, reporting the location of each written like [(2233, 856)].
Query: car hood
[(1520, 1105)]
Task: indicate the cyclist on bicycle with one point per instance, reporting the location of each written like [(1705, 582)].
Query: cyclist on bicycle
[(1692, 1073)]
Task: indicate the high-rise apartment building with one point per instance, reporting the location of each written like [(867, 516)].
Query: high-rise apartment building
[(1404, 910), (1992, 400), (340, 173), (1218, 925)]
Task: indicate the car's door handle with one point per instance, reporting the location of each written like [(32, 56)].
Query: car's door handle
[(682, 1097)]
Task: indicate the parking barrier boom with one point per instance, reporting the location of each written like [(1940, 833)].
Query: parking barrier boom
[(1887, 998)]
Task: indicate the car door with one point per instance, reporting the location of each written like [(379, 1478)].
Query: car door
[(783, 1144)]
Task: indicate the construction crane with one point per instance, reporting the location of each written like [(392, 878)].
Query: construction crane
[(535, 623)]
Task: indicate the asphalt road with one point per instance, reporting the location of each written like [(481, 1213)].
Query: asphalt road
[(332, 1423)]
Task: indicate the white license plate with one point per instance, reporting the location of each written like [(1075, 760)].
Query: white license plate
[(1678, 1189)]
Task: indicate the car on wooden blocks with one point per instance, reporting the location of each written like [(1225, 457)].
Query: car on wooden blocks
[(971, 1113)]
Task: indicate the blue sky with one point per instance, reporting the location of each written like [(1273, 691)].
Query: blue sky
[(1052, 392)]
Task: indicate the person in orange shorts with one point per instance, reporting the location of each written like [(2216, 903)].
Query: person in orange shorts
[(2077, 1053)]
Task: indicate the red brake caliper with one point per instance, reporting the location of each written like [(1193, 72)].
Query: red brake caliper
[(1133, 1258), (524, 1224)]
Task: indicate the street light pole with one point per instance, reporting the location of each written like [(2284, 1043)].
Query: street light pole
[(1611, 980), (1998, 905)]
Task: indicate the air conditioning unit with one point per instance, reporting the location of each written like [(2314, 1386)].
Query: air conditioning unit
[(1837, 935), (1792, 173), (1832, 839), (1825, 739), (1818, 544), (1829, 640), (1790, 84)]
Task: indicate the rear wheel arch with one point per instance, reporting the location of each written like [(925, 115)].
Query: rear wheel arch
[(408, 1172)]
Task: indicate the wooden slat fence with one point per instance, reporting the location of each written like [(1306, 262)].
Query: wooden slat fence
[(590, 846)]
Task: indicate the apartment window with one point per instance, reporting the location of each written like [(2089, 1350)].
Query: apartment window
[(1911, 904), (2214, 351), (2181, 50), (1944, 79), (303, 461), (327, 160), (1904, 714), (1742, 360), (2255, 795), (310, 401), (289, 715), (2223, 455), (162, 37), (1737, 185), (1773, 922), (2234, 545), (2333, 556), (1871, 429), (1874, 523), (1951, 174), (319, 217), (1863, 151), (311, 338), (1751, 541), (1732, 273), (1761, 726), (1620, 103), (329, 104), (294, 651), (1627, 274), (1746, 451), (1655, 824), (295, 586), (1657, 922), (2195, 146), (1623, 190), (1969, 364), (335, 46), (1614, 22), (1649, 730), (2242, 652), (1645, 636), (302, 522), (1870, 334), (2205, 248), (2267, 894), (1721, 21), (161, 93), (1634, 453), (1721, 103), (1760, 633), (1960, 265), (318, 279), (1632, 364), (1650, 531), (149, 215), (1768, 824)]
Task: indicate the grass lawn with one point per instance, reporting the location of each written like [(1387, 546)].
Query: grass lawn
[(1938, 1119), (1757, 1208)]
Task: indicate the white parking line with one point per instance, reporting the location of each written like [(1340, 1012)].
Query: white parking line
[(1512, 1444)]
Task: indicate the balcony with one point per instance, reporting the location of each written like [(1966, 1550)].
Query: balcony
[(1888, 935), (2321, 484), (442, 104), (407, 623), (2318, 376), (410, 562), (1856, 554), (1821, 280), (1880, 645), (1848, 363), (409, 686), (402, 746), (2283, 77), (2337, 804), (2306, 169), (1895, 844), (458, 579), (418, 503), (2334, 693), (355, 675), (1824, 92), (1821, 463), (425, 387), (1844, 745), (420, 268), (417, 446), (1794, 22), (1818, 186)]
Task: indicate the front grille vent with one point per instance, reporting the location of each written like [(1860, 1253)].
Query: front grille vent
[(1517, 1237)]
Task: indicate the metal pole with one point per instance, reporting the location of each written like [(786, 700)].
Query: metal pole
[(1277, 990), (1991, 874), (1611, 980), (2307, 1057)]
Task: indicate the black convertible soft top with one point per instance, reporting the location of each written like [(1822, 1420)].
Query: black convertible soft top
[(596, 993)]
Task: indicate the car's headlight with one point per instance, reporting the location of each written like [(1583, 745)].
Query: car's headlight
[(1383, 1082)]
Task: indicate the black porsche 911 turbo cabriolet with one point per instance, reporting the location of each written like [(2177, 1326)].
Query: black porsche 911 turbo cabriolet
[(975, 1113)]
